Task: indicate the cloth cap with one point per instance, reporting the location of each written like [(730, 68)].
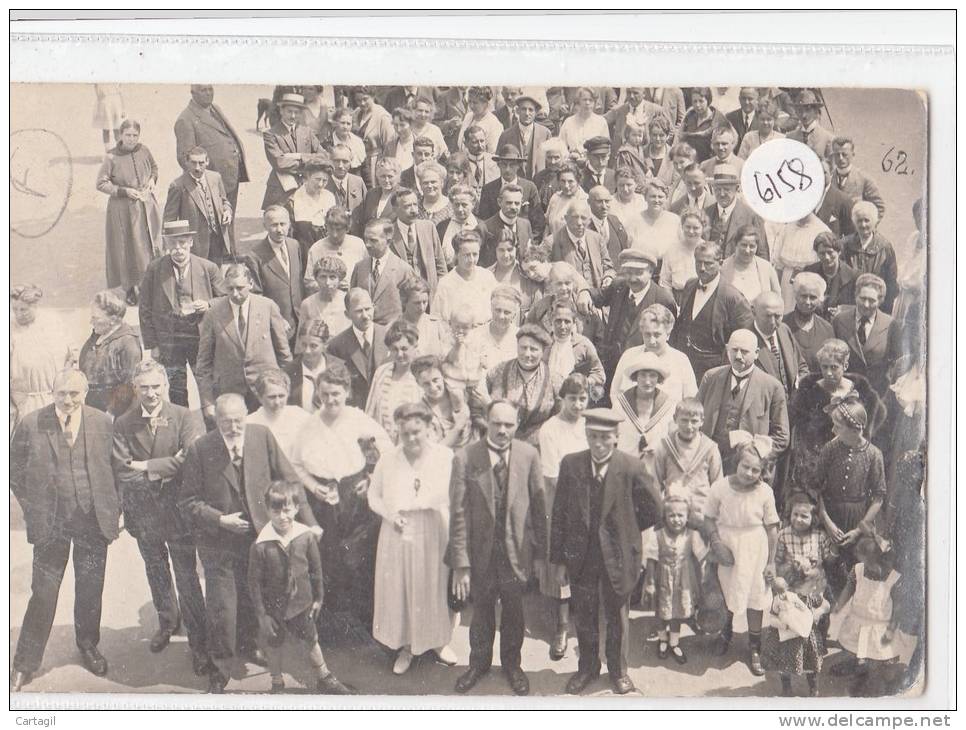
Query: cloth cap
[(597, 144), (636, 259), (602, 419)]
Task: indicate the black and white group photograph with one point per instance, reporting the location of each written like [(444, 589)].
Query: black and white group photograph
[(482, 390)]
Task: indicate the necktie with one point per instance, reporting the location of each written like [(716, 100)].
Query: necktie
[(501, 470), (411, 246), (863, 323), (236, 456), (242, 325), (747, 121), (283, 256), (736, 388), (599, 473), (68, 433), (581, 248), (777, 354), (209, 206), (366, 348), (479, 172), (152, 426), (375, 274), (291, 133)]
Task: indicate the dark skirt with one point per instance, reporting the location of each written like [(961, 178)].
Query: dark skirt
[(792, 656)]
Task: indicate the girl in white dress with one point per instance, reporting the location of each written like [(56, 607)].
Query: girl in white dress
[(410, 491), (741, 518)]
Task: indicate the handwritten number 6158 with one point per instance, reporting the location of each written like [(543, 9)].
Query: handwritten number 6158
[(794, 168)]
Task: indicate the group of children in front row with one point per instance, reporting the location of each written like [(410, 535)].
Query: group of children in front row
[(787, 572)]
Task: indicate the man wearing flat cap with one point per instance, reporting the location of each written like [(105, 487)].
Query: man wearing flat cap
[(604, 500), (811, 132), (526, 135), (289, 146), (596, 172), (509, 160), (633, 291), (729, 213), (176, 291)]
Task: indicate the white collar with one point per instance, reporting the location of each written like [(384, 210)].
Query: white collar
[(574, 239), (506, 222), (269, 534), (157, 411), (858, 317), (239, 442), (276, 246), (727, 211), (307, 373), (710, 286), (767, 338), (745, 375), (363, 336), (601, 223), (244, 305), (76, 417)]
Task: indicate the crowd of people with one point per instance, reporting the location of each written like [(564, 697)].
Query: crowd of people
[(491, 340)]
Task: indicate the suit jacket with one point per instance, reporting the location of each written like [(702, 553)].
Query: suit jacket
[(159, 310), (385, 294), (731, 312), (430, 262), (563, 250), (840, 289), (617, 238), (33, 471), (185, 202), (271, 280), (882, 346), (355, 191), (858, 186), (210, 128), (672, 102), (345, 347), (210, 479), (369, 210), (532, 208), (879, 259), (763, 405), (617, 121), (472, 522), (531, 151), (737, 121), (298, 381), (616, 296), (793, 360), (226, 364), (835, 211), (608, 180), (819, 139), (286, 173), (727, 232), (492, 230), (149, 499), (631, 503)]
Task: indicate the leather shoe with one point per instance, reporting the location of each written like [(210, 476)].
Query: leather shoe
[(18, 679), (93, 661), (217, 682), (518, 681), (160, 640), (754, 663), (255, 656), (200, 663), (623, 685), (469, 679), (558, 649), (330, 685), (578, 683)]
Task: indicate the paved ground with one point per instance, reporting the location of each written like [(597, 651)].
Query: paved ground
[(58, 170)]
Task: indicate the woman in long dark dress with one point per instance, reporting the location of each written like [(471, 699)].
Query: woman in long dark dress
[(133, 231)]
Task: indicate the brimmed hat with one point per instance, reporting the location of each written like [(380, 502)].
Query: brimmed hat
[(509, 153), (597, 144), (725, 175), (602, 419), (808, 98), (527, 97), (177, 229), (636, 259), (647, 361), (292, 100)]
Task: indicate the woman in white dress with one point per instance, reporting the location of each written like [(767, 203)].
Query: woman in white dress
[(410, 492), (745, 270), (393, 384), (792, 250), (467, 286), (434, 337), (39, 349), (584, 123), (479, 99), (648, 411), (627, 202), (766, 115), (677, 268), (284, 421), (656, 229), (497, 342)]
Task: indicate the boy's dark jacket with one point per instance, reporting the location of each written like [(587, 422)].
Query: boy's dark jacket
[(284, 582)]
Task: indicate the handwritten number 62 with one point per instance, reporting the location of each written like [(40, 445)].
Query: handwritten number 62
[(899, 165)]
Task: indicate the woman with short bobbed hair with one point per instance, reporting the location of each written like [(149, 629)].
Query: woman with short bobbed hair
[(110, 355), (699, 123), (677, 267), (584, 123), (657, 229), (812, 427), (467, 286), (410, 492), (527, 381), (462, 202), (627, 202), (766, 117), (128, 177), (434, 337), (745, 270), (451, 423), (682, 154), (658, 152), (839, 277), (433, 205), (393, 383), (273, 388)]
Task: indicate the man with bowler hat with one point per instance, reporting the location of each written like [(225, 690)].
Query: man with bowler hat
[(509, 160)]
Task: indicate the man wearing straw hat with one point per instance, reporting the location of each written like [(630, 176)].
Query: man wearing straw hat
[(729, 213), (176, 291), (289, 146)]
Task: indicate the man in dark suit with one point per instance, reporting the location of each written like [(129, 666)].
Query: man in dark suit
[(60, 473), (595, 170), (671, 100), (377, 203), (277, 267), (582, 248), (361, 347), (852, 182), (203, 124), (835, 208), (150, 441), (778, 352), (497, 523), (811, 132), (349, 190), (223, 497), (241, 335), (424, 150), (710, 311), (741, 396), (176, 291), (729, 213), (199, 197), (872, 335), (526, 135), (602, 221), (509, 160), (381, 272), (604, 499), (507, 224), (416, 241), (696, 190), (289, 145), (633, 291), (745, 118)]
